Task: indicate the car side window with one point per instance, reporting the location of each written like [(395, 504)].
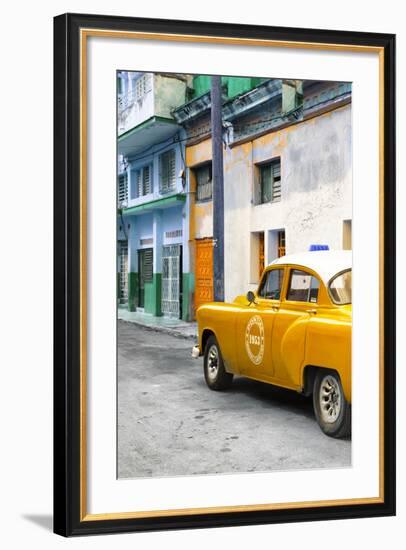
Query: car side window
[(271, 285), (303, 287)]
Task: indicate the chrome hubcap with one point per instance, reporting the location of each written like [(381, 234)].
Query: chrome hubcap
[(330, 399), (212, 362)]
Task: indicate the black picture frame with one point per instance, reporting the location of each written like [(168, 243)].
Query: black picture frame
[(67, 351)]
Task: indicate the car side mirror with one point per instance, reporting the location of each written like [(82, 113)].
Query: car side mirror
[(250, 297)]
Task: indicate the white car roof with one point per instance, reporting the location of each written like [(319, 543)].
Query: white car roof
[(324, 262)]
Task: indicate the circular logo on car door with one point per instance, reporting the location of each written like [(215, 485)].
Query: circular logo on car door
[(254, 339)]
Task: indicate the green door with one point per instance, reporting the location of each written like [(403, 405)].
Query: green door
[(145, 270)]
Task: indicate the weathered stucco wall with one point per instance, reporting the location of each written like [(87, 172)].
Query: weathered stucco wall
[(201, 215), (169, 93), (316, 177)]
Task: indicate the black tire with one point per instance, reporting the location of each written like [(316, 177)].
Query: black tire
[(332, 410), (217, 378)]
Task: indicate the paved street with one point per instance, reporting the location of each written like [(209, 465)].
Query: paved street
[(170, 423)]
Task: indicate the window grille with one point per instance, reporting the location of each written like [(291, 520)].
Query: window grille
[(171, 280), (173, 234), (167, 171)]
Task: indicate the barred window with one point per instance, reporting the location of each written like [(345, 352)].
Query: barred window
[(270, 181), (167, 171), (204, 183)]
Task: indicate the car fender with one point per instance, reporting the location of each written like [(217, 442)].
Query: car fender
[(328, 345), (220, 320)]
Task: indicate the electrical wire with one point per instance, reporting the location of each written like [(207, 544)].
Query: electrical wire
[(262, 122)]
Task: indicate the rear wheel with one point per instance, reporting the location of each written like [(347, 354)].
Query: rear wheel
[(217, 378), (332, 410)]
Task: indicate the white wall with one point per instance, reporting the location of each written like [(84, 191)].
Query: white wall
[(162, 95), (316, 183), (26, 351), (138, 111)]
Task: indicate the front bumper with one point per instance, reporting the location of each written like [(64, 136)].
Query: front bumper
[(195, 352)]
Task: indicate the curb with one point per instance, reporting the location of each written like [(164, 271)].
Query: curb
[(165, 330)]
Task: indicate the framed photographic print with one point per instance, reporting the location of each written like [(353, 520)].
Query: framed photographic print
[(224, 274)]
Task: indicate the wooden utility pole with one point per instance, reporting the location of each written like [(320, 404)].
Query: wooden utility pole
[(218, 188)]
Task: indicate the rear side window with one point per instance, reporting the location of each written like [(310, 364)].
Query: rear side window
[(303, 287), (340, 288), (271, 285)]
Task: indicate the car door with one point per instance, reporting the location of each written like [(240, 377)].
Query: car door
[(255, 324), (289, 331)]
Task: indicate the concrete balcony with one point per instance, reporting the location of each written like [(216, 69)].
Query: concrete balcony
[(147, 105)]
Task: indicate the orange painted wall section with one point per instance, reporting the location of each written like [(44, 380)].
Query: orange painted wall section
[(199, 153), (201, 214)]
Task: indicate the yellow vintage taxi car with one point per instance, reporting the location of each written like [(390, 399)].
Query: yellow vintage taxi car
[(294, 331)]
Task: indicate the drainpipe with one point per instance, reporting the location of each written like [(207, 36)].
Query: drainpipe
[(218, 188)]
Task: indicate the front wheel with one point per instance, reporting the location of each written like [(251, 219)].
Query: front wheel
[(217, 378), (332, 410)]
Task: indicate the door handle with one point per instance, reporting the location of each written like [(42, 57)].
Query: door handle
[(275, 308), (311, 311)]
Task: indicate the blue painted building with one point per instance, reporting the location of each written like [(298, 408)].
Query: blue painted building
[(153, 204)]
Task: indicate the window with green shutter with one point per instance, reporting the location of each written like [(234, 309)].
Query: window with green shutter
[(167, 171), (270, 181)]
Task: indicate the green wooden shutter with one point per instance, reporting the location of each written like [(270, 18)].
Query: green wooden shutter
[(271, 182), (266, 183)]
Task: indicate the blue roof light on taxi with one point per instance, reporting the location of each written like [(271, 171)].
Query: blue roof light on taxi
[(314, 247)]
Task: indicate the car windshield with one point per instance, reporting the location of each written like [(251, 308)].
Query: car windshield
[(340, 288)]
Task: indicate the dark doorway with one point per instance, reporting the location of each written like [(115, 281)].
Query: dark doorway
[(145, 271)]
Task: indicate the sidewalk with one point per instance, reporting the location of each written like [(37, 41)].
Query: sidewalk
[(175, 327)]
